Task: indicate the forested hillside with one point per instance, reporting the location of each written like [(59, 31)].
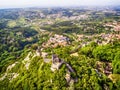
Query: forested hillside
[(60, 49)]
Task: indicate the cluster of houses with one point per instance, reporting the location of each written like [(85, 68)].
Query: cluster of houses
[(60, 15), (57, 40), (107, 38), (101, 39), (115, 25), (104, 67)]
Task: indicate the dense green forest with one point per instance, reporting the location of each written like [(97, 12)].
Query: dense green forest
[(86, 49)]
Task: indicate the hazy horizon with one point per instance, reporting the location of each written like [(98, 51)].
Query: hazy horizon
[(55, 3)]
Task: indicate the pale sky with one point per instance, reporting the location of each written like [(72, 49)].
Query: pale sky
[(48, 3)]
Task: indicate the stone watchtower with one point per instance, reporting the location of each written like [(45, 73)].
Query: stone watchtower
[(55, 59), (56, 62)]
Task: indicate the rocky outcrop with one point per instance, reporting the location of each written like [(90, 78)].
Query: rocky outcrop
[(44, 56), (11, 66), (104, 67), (114, 77), (26, 61), (8, 75)]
